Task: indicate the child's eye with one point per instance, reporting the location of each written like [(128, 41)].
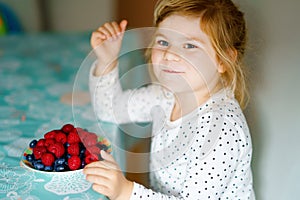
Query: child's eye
[(163, 43), (189, 46)]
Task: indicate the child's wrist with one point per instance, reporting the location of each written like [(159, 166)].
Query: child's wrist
[(102, 69), (126, 192)]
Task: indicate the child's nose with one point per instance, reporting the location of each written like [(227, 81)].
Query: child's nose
[(171, 55)]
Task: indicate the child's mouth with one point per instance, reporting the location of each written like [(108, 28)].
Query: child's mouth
[(171, 71)]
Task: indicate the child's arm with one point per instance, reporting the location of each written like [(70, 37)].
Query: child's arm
[(106, 42)]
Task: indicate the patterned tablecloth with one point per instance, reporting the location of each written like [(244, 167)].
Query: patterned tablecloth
[(35, 72)]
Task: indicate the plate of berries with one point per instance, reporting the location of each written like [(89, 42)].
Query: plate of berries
[(67, 149)]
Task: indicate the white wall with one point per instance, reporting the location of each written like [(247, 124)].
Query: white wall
[(274, 113)]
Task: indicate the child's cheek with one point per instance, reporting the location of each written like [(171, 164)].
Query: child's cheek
[(203, 66), (156, 56)]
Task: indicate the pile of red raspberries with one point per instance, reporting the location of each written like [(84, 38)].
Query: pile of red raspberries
[(66, 149)]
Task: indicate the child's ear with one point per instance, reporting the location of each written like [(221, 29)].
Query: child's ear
[(221, 68), (232, 53)]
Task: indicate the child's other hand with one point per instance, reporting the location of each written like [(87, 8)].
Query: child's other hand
[(106, 42), (108, 179)]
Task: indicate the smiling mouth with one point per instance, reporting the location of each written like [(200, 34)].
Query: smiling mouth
[(171, 71)]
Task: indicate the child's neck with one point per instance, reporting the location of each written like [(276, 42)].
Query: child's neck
[(186, 102)]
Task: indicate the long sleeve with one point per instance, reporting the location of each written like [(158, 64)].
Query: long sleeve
[(212, 162), (222, 174), (112, 104)]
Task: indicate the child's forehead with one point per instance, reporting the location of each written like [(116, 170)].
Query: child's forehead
[(180, 19), (181, 27)]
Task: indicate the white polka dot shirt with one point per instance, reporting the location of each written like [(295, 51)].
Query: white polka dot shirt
[(204, 155)]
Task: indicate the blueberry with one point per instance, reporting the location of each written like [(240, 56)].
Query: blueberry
[(103, 147), (82, 151), (60, 161), (82, 156), (60, 168), (81, 145), (37, 161), (38, 166), (33, 143), (67, 144), (30, 157), (48, 168), (82, 164)]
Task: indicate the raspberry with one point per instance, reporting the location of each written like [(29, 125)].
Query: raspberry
[(61, 137), (49, 142), (82, 133), (57, 149), (68, 148), (89, 158), (67, 128), (73, 137), (50, 134), (74, 162), (38, 152), (74, 149), (90, 140), (47, 159), (41, 143)]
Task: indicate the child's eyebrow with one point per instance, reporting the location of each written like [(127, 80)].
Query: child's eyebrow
[(159, 35), (197, 40)]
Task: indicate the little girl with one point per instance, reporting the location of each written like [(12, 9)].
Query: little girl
[(200, 145)]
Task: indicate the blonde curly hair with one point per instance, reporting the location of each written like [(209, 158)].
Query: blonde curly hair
[(225, 25)]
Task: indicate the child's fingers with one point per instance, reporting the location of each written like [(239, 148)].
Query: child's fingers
[(110, 28), (97, 38), (95, 170), (99, 175), (97, 178), (116, 27), (100, 184), (107, 156), (113, 28), (97, 35), (105, 31), (103, 164)]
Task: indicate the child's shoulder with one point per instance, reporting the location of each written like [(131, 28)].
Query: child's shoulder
[(222, 106)]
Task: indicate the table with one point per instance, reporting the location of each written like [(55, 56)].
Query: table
[(36, 71)]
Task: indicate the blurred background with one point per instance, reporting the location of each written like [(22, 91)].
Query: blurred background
[(273, 59), (76, 15)]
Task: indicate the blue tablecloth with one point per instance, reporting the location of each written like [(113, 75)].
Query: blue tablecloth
[(35, 72)]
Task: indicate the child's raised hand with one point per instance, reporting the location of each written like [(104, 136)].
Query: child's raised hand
[(106, 42), (108, 179)]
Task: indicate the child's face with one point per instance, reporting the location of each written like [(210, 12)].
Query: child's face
[(183, 57)]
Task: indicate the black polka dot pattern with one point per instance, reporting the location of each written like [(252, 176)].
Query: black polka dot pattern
[(204, 155)]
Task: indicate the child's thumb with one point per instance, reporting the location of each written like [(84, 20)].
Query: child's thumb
[(106, 156), (123, 25)]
